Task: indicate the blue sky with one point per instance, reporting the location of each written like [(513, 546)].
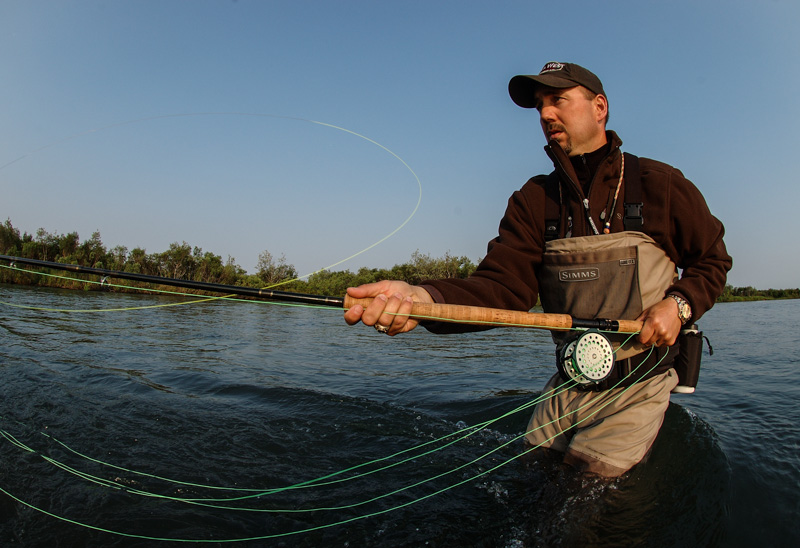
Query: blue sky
[(167, 121)]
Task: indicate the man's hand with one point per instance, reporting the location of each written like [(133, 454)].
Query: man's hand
[(662, 324), (391, 305)]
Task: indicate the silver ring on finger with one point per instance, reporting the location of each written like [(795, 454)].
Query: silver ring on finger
[(381, 328)]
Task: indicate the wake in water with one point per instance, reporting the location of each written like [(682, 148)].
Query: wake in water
[(678, 496)]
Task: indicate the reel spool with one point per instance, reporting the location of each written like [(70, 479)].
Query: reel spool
[(588, 359)]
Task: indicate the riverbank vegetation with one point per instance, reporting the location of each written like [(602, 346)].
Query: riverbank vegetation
[(185, 262), (734, 294)]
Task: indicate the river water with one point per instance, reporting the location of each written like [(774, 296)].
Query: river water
[(242, 423)]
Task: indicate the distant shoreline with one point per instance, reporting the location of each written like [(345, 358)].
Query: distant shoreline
[(754, 298)]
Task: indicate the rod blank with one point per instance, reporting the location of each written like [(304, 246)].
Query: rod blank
[(265, 294)]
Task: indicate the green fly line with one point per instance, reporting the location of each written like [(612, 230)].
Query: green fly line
[(321, 481), (337, 523), (253, 114), (353, 473), (318, 482)]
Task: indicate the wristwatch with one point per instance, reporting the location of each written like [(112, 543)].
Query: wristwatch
[(684, 309)]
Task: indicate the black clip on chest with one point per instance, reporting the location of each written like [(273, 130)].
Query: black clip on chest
[(633, 194)]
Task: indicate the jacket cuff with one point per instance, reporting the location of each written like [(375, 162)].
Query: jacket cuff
[(435, 293)]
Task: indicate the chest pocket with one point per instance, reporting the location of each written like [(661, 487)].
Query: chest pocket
[(611, 276)]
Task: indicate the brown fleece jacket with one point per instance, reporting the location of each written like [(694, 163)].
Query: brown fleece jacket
[(675, 216)]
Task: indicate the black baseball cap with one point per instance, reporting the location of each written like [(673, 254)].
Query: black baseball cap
[(553, 75)]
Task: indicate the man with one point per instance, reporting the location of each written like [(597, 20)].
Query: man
[(601, 428)]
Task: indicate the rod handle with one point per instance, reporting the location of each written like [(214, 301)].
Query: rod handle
[(629, 326), (476, 315)]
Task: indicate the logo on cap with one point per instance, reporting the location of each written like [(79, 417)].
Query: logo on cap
[(551, 67)]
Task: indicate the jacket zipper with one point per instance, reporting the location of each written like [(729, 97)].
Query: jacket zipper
[(576, 186), (584, 199)]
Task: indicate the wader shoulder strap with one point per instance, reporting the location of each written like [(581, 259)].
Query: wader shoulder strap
[(633, 194), (552, 208)]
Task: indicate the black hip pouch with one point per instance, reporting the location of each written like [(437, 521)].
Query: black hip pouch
[(687, 362)]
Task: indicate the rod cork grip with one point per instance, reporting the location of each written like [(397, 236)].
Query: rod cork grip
[(476, 315), (629, 326)]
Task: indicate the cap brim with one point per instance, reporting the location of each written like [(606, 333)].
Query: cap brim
[(522, 88)]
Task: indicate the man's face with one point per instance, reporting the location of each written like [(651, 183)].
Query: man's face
[(572, 118)]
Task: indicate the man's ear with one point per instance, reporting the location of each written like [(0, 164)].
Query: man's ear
[(601, 107)]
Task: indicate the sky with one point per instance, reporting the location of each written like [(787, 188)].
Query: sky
[(324, 131)]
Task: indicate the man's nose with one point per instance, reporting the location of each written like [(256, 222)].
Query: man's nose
[(547, 114)]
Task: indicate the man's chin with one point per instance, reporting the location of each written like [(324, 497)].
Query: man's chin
[(564, 142)]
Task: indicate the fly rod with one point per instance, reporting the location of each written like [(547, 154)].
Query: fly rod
[(453, 313), (265, 294)]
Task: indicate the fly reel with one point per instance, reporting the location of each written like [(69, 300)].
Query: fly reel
[(587, 359)]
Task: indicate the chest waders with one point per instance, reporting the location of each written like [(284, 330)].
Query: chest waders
[(616, 276)]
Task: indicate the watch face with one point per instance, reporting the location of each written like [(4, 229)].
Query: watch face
[(684, 311)]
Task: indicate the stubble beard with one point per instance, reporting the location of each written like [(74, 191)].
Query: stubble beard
[(567, 144)]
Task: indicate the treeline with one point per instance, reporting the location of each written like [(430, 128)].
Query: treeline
[(185, 262), (733, 294)]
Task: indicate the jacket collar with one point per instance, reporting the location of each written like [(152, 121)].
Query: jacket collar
[(564, 166)]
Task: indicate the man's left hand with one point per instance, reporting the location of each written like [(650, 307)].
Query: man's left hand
[(662, 324)]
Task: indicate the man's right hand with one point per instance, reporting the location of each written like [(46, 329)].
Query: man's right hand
[(390, 307)]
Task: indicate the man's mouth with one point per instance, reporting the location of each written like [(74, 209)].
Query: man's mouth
[(554, 132)]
